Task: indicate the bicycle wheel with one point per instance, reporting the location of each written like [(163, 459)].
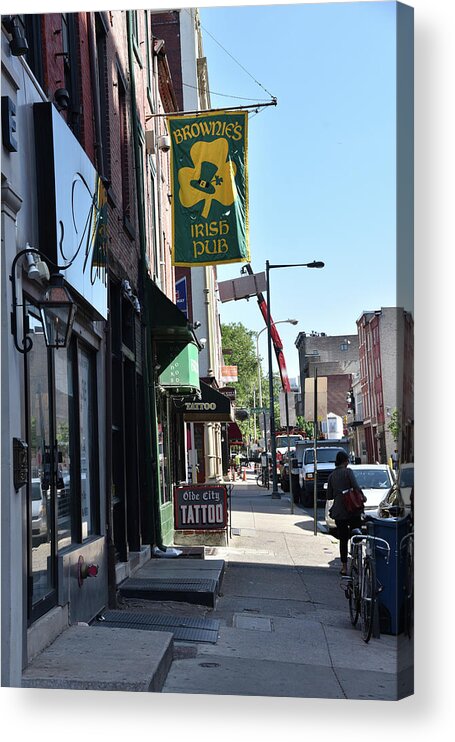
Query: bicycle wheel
[(259, 480), (354, 591), (368, 599), (409, 599)]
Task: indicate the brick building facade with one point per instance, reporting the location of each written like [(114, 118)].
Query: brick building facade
[(386, 381), (333, 356), (85, 183)]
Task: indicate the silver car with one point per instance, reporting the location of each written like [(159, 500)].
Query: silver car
[(39, 512), (399, 500), (375, 481)]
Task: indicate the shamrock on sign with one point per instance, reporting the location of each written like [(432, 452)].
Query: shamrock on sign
[(212, 177)]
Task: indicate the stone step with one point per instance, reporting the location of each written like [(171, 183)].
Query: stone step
[(195, 581), (103, 658)]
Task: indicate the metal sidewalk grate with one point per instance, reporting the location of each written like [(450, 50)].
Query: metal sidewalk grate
[(184, 628), (201, 592)]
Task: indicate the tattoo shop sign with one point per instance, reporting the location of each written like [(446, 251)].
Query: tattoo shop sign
[(200, 507), (209, 182)]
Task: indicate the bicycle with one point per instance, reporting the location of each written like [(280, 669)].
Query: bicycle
[(361, 586), (263, 478), (408, 543)]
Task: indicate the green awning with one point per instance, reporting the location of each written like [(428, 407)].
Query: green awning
[(169, 329), (182, 375)]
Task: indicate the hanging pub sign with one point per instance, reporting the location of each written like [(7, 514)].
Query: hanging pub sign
[(200, 507), (209, 182), (229, 374)]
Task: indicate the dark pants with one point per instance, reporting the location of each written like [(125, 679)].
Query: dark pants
[(345, 528)]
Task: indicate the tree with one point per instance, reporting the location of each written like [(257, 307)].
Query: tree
[(306, 427), (239, 341), (394, 424), (239, 349)]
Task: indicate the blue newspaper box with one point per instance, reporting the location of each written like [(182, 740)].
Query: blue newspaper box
[(391, 576)]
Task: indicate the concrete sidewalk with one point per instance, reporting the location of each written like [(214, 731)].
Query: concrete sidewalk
[(284, 627)]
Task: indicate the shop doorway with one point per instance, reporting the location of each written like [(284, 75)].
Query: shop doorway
[(200, 449), (62, 436)]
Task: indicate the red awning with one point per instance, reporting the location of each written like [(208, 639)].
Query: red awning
[(234, 435)]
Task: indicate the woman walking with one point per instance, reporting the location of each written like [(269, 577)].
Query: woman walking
[(342, 479)]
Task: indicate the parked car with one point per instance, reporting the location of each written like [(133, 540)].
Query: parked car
[(399, 501), (39, 512), (374, 480)]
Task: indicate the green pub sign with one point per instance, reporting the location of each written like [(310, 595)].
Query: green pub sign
[(209, 182)]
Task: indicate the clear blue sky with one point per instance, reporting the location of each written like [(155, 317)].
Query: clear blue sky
[(321, 164)]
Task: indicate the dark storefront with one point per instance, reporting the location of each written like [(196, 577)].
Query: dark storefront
[(64, 407), (172, 346)]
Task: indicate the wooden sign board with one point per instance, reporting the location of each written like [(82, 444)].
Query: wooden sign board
[(200, 507)]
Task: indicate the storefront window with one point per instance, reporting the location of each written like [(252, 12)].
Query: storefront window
[(63, 489), (87, 426), (64, 434), (40, 489), (163, 446)]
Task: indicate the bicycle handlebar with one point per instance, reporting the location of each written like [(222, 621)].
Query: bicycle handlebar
[(357, 538)]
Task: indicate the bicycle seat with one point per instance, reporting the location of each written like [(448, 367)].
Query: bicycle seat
[(356, 532)]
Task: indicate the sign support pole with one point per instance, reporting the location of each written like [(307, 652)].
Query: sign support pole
[(289, 452), (315, 483)]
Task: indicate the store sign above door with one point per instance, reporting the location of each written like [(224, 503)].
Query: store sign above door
[(209, 181), (212, 407), (229, 392), (200, 507), (72, 208)]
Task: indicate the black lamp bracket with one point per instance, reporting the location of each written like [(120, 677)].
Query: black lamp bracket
[(18, 43), (26, 342)]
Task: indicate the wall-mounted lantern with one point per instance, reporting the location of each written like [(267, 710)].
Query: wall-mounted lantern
[(57, 311), (18, 44), (56, 306)]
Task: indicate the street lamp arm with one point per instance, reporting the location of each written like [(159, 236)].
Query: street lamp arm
[(278, 322), (314, 264)]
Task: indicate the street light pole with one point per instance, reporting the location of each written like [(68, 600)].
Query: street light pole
[(289, 451), (268, 268), (259, 366)]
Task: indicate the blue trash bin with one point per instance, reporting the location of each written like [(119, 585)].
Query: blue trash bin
[(391, 576)]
